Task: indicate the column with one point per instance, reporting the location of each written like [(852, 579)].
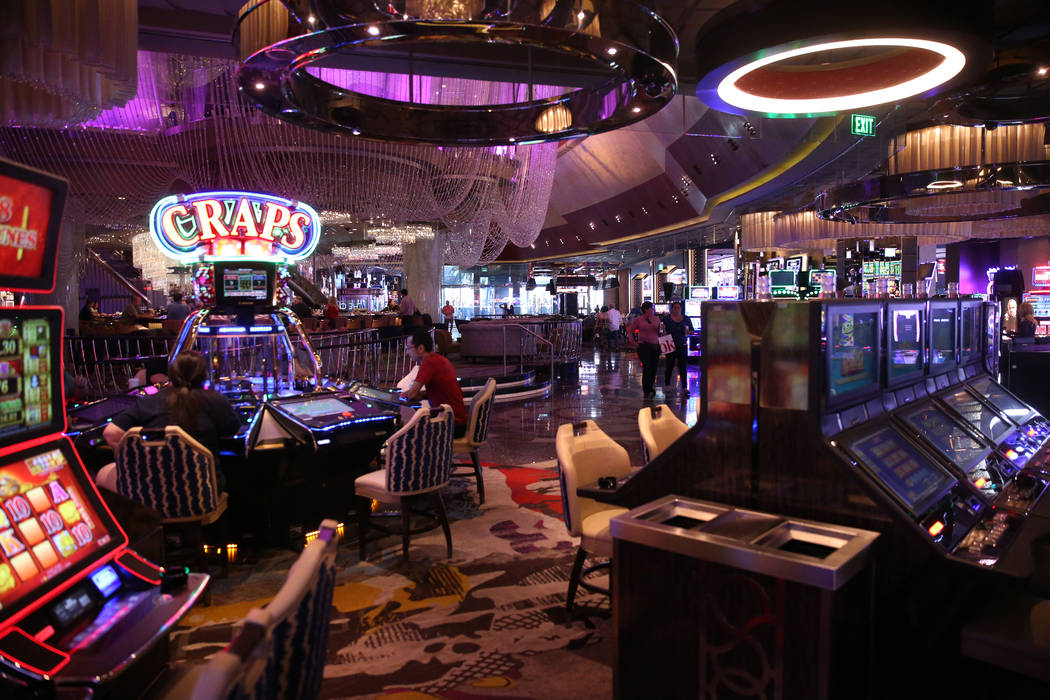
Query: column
[(423, 267)]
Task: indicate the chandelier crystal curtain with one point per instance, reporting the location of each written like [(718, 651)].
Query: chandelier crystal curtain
[(64, 61), (187, 129)]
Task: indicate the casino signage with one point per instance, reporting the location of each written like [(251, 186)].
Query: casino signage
[(234, 225)]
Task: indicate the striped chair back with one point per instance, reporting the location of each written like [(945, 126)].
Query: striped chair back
[(419, 455), (300, 614), (481, 412), (168, 471)]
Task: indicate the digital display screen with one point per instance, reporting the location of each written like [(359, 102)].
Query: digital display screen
[(1040, 303), (50, 524), (730, 293), (25, 214), (950, 438), (692, 308), (942, 337), (662, 308), (901, 468), (997, 396), (30, 380), (700, 293), (793, 263), (970, 343), (106, 580), (905, 343), (245, 283), (985, 420), (852, 350), (316, 408), (783, 278)]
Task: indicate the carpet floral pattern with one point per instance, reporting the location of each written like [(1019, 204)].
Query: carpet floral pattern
[(490, 622)]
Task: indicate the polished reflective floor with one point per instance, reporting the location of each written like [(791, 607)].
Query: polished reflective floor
[(607, 388)]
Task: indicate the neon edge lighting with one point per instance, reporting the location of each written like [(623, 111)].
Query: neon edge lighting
[(953, 62)]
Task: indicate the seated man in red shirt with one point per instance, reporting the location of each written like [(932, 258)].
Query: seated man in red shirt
[(438, 375)]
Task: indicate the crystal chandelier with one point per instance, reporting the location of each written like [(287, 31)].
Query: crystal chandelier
[(400, 235)]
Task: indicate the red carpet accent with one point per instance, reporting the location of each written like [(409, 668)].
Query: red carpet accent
[(535, 489)]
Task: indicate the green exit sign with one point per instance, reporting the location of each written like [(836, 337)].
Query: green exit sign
[(861, 125)]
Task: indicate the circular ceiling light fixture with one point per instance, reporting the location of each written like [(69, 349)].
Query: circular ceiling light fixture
[(318, 75), (944, 185), (831, 76)]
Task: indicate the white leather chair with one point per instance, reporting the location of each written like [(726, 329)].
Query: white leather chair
[(476, 435), (585, 454), (659, 428)]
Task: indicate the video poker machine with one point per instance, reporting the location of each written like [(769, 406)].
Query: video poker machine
[(80, 611)]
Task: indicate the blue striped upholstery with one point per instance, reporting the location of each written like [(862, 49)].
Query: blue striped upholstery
[(419, 458), (481, 410), (300, 631), (174, 475)]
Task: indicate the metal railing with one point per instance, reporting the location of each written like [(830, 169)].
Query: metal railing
[(106, 364), (362, 355), (523, 349)]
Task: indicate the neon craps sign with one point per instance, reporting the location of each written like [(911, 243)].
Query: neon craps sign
[(234, 225)]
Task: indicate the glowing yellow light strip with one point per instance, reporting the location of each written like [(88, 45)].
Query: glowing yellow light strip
[(953, 62)]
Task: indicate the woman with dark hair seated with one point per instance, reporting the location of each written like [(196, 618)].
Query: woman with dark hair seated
[(204, 414)]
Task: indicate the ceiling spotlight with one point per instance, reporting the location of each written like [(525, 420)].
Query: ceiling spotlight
[(356, 132), (581, 15), (373, 30), (636, 110), (611, 50), (311, 19), (259, 86), (1042, 71)]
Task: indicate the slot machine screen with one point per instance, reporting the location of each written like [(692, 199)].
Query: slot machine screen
[(700, 293), (311, 409), (692, 308), (904, 354), (243, 284), (783, 278), (987, 421), (31, 204), (998, 397), (953, 441), (662, 308), (942, 336), (916, 481), (852, 351), (53, 524), (31, 401), (970, 339)]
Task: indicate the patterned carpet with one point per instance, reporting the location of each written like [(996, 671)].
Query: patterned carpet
[(489, 623)]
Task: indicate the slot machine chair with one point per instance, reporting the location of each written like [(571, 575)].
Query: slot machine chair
[(418, 463), (586, 454), (174, 474), (659, 428), (280, 650), (476, 435)]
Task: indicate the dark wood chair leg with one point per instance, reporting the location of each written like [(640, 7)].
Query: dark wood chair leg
[(574, 578), (476, 459), (443, 515), (364, 511), (406, 527)]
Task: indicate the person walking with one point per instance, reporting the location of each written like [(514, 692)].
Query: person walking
[(648, 328), (448, 311), (679, 326), (615, 323)]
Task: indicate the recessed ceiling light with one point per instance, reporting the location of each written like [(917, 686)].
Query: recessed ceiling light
[(944, 185), (581, 15), (373, 30), (311, 19), (952, 62), (259, 86), (611, 50)]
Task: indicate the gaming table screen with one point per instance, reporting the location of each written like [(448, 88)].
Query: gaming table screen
[(31, 401), (52, 523), (987, 421), (953, 441), (1014, 409), (901, 468), (31, 205), (852, 350), (316, 408)]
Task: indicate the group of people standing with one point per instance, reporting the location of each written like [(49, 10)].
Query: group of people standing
[(649, 329)]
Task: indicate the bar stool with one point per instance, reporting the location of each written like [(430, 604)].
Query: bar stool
[(585, 454), (659, 428), (476, 435)]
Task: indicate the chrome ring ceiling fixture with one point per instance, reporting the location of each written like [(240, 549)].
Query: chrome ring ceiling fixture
[(969, 193), (777, 61), (624, 55)]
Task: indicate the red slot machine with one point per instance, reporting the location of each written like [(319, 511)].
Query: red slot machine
[(81, 613)]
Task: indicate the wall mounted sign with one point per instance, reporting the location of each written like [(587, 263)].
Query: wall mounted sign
[(234, 225), (1041, 276), (861, 125)]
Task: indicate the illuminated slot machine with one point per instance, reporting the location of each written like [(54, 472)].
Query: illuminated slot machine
[(813, 281), (692, 310), (784, 284), (78, 607), (728, 292)]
